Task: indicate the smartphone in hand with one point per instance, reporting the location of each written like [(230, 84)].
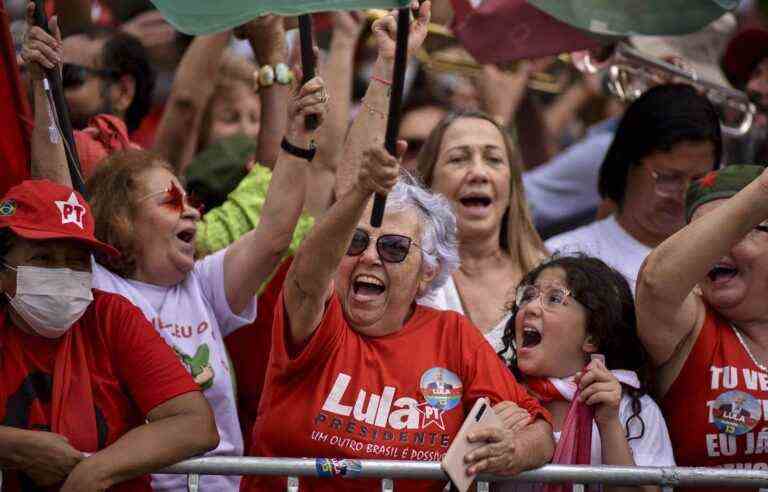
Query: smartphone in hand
[(481, 415)]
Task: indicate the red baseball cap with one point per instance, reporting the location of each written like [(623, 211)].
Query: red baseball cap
[(41, 209), (743, 54)]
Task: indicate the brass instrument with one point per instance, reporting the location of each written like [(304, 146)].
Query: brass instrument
[(631, 72), (442, 53)]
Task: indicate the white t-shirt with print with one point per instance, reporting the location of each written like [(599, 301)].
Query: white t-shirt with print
[(193, 317), (607, 240), (446, 298)]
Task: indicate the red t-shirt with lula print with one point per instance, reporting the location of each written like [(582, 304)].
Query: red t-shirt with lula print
[(401, 396), (717, 407), (131, 369)]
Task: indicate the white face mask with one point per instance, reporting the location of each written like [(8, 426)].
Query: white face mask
[(51, 300)]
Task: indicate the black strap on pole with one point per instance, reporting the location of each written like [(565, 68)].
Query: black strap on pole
[(307, 61), (395, 106), (60, 104)]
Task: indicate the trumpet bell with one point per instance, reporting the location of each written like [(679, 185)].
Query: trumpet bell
[(630, 73)]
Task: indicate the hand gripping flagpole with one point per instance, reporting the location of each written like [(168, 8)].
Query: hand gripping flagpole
[(53, 84), (307, 61), (395, 106)]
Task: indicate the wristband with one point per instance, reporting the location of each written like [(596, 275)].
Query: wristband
[(381, 81), (306, 154)]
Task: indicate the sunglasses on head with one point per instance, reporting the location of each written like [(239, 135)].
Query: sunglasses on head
[(176, 199), (392, 248), (73, 75)]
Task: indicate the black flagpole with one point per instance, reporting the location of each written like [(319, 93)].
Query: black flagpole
[(395, 106), (307, 61), (54, 79)]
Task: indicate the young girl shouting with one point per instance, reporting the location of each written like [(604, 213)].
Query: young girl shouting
[(566, 310)]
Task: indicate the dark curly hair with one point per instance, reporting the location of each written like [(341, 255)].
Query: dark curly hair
[(611, 320)]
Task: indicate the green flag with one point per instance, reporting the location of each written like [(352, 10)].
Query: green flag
[(633, 17), (209, 16)]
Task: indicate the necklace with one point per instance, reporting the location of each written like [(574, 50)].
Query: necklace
[(746, 348)]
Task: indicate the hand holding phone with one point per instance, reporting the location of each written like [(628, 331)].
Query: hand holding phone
[(481, 415)]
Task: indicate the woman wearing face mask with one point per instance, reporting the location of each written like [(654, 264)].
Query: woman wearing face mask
[(75, 406), (471, 160), (703, 317), (567, 309)]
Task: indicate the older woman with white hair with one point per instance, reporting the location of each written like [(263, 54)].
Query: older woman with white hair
[(359, 369)]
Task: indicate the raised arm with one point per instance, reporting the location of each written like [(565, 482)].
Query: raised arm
[(193, 85), (308, 283), (266, 35), (43, 51), (668, 310), (337, 72), (369, 126), (251, 259)]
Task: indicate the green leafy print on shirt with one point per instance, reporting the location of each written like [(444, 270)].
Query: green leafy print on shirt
[(198, 365)]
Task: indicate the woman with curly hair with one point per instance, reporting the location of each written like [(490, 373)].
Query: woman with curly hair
[(565, 310)]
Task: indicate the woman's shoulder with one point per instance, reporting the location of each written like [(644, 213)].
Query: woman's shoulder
[(448, 325), (113, 317), (105, 302)]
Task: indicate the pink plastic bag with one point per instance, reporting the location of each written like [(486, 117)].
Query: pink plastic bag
[(575, 444)]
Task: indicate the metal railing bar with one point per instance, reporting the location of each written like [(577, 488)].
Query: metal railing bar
[(609, 475)]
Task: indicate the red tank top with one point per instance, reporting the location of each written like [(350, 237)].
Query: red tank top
[(717, 407)]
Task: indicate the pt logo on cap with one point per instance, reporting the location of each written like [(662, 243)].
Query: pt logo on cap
[(71, 211)]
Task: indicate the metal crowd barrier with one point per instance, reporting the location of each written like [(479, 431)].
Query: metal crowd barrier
[(387, 470)]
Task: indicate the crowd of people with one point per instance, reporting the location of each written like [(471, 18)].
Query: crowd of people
[(217, 288)]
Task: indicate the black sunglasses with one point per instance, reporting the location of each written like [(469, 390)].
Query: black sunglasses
[(73, 75), (392, 248)]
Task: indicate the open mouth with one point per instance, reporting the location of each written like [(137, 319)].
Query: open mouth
[(475, 201), (187, 236), (722, 272), (368, 286), (531, 337)]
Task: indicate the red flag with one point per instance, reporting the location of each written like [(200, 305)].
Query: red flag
[(16, 116), (506, 30)]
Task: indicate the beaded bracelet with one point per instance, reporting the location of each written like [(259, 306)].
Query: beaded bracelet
[(372, 110)]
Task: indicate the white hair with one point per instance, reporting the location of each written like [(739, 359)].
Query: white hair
[(439, 245)]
